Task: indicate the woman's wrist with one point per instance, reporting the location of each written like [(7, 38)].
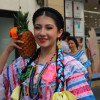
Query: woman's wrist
[(8, 49)]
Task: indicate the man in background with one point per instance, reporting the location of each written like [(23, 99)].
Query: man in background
[(64, 43)]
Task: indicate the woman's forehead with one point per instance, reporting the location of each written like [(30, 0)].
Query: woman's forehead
[(44, 20)]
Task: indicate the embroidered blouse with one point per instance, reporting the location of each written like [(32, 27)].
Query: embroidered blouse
[(81, 57), (73, 73)]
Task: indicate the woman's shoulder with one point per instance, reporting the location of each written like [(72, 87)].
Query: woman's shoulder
[(78, 54), (72, 65), (80, 51), (16, 66), (68, 59)]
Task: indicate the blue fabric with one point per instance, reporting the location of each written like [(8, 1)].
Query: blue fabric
[(75, 84), (91, 97), (87, 64), (89, 81), (77, 55)]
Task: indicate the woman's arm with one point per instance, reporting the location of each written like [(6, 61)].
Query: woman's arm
[(84, 60), (4, 56), (79, 87), (90, 73), (3, 59)]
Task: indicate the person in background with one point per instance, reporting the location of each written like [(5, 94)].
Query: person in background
[(48, 70), (80, 43), (80, 56), (64, 43)]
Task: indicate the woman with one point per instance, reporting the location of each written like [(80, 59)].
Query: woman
[(80, 56), (33, 74)]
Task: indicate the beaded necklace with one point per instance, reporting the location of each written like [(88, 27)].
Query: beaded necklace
[(32, 76)]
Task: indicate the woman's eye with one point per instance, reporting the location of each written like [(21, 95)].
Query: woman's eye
[(36, 27), (49, 28)]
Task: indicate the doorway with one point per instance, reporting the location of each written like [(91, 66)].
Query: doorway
[(7, 22)]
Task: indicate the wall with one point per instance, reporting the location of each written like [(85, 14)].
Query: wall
[(57, 4), (9, 5), (31, 6), (26, 5), (5, 25)]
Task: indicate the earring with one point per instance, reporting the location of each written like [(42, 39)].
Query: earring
[(58, 44)]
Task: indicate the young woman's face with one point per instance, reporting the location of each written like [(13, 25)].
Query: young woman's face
[(72, 44), (45, 31)]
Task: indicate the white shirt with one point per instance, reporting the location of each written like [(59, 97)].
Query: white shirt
[(65, 47)]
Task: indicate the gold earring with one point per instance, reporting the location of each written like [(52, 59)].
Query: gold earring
[(58, 44)]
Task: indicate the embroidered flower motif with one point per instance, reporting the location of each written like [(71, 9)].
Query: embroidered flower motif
[(50, 74)]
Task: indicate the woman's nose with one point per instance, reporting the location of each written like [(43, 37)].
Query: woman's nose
[(42, 32)]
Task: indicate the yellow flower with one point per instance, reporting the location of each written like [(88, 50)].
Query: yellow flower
[(64, 95)]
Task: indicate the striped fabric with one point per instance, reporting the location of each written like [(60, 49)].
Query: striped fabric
[(81, 57), (73, 74)]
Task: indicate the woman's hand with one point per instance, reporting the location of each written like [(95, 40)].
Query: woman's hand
[(13, 44)]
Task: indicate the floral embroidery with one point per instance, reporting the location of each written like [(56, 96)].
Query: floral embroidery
[(49, 76)]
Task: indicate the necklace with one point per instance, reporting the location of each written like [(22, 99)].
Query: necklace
[(74, 52), (32, 76)]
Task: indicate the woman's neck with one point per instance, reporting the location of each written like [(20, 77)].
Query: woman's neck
[(46, 54), (45, 51), (74, 51)]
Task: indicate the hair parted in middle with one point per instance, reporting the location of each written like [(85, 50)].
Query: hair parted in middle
[(52, 13)]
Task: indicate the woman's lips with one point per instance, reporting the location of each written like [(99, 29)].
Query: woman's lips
[(42, 40)]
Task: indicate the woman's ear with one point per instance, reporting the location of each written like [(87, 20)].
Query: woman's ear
[(60, 33)]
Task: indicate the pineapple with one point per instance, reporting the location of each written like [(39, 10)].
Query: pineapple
[(29, 45)]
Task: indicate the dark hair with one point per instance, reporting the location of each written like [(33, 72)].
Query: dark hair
[(73, 39), (52, 13), (65, 35)]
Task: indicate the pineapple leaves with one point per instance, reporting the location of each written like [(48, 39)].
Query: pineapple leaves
[(22, 20)]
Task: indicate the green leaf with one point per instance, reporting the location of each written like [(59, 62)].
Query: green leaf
[(22, 20)]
